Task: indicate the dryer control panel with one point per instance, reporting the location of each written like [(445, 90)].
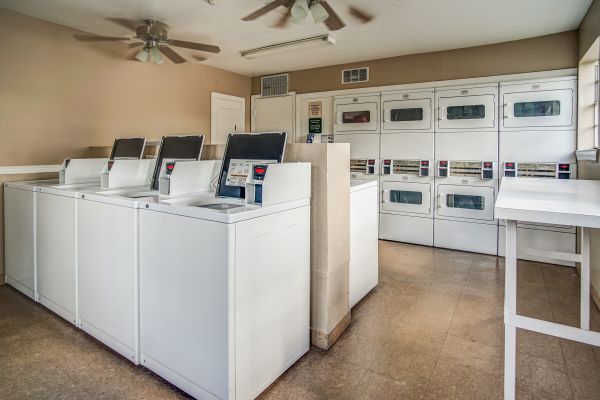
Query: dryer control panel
[(467, 169), (405, 167), (538, 170), (362, 166)]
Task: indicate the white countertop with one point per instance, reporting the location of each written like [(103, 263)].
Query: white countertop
[(360, 184), (551, 201)]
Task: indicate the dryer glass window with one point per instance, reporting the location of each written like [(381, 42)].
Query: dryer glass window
[(467, 202), (356, 117), (475, 111), (406, 197), (406, 114), (537, 109)]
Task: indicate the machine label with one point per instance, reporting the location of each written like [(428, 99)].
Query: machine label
[(240, 169)]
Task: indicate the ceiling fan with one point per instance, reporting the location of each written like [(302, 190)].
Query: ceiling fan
[(301, 11), (154, 41)]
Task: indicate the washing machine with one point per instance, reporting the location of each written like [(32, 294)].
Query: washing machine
[(220, 277), (538, 138), (20, 200), (464, 207), (108, 252)]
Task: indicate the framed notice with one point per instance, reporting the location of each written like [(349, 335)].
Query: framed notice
[(315, 125), (315, 109)]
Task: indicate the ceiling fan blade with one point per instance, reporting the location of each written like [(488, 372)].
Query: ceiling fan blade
[(262, 11), (137, 44), (95, 38), (199, 58), (284, 20), (334, 22), (194, 46), (361, 15), (171, 54), (126, 23)]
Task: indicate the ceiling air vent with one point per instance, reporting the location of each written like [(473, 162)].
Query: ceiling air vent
[(355, 75), (274, 85)]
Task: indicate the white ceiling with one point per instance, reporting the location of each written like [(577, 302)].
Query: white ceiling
[(400, 27)]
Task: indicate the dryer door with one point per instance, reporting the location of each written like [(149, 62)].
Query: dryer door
[(357, 117), (409, 197), (539, 109), (408, 115), (467, 112), (469, 202)]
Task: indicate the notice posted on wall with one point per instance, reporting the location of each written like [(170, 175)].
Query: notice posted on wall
[(240, 169), (315, 109)]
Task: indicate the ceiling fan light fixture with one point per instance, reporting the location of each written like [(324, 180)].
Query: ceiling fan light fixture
[(142, 55), (319, 13), (300, 12), (155, 56)]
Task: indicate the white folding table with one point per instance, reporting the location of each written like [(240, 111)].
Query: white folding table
[(551, 201)]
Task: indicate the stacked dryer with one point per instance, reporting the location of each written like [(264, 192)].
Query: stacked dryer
[(357, 123), (406, 167), (466, 160), (538, 138)]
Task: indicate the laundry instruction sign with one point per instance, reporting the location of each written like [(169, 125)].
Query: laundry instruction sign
[(315, 117)]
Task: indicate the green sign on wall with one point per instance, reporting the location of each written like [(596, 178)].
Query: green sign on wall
[(315, 125)]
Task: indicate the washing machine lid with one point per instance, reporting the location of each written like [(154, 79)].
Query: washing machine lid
[(128, 148), (241, 150), (177, 148)]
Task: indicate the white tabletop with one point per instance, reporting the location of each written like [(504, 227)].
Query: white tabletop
[(551, 201)]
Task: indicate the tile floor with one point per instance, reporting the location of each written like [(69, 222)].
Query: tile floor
[(431, 330)]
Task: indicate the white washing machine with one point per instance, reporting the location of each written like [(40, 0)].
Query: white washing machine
[(467, 123), (464, 211), (108, 251), (364, 243), (407, 201), (538, 138), (220, 277)]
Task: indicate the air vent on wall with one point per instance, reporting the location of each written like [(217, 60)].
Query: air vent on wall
[(355, 75), (274, 85)]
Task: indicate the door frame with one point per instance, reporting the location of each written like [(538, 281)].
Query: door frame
[(291, 135), (214, 97)]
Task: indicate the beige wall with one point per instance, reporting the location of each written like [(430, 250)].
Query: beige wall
[(589, 30), (59, 96), (529, 55)]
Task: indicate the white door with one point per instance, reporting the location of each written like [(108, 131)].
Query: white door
[(471, 202), (471, 109), (274, 114), (357, 114), (548, 105), (227, 115), (410, 197), (408, 111)]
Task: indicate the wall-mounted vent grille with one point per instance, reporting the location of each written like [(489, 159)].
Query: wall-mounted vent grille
[(355, 75), (274, 85)]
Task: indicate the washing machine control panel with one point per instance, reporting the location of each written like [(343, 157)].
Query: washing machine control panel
[(169, 167)]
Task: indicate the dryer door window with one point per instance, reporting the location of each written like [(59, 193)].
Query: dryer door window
[(467, 112), (541, 109), (471, 202), (356, 117), (406, 197), (411, 114)]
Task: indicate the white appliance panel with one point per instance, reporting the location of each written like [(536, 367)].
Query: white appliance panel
[(364, 244), (538, 146), (405, 228), (480, 145), (407, 145), (19, 239), (466, 236), (540, 239), (407, 112), (549, 105), (466, 202), (362, 145), (467, 109), (406, 197), (108, 275), (357, 114), (56, 254)]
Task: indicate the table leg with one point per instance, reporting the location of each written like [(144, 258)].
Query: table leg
[(510, 308), (585, 278)]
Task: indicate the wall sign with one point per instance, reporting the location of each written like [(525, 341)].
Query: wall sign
[(315, 125), (315, 109)]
